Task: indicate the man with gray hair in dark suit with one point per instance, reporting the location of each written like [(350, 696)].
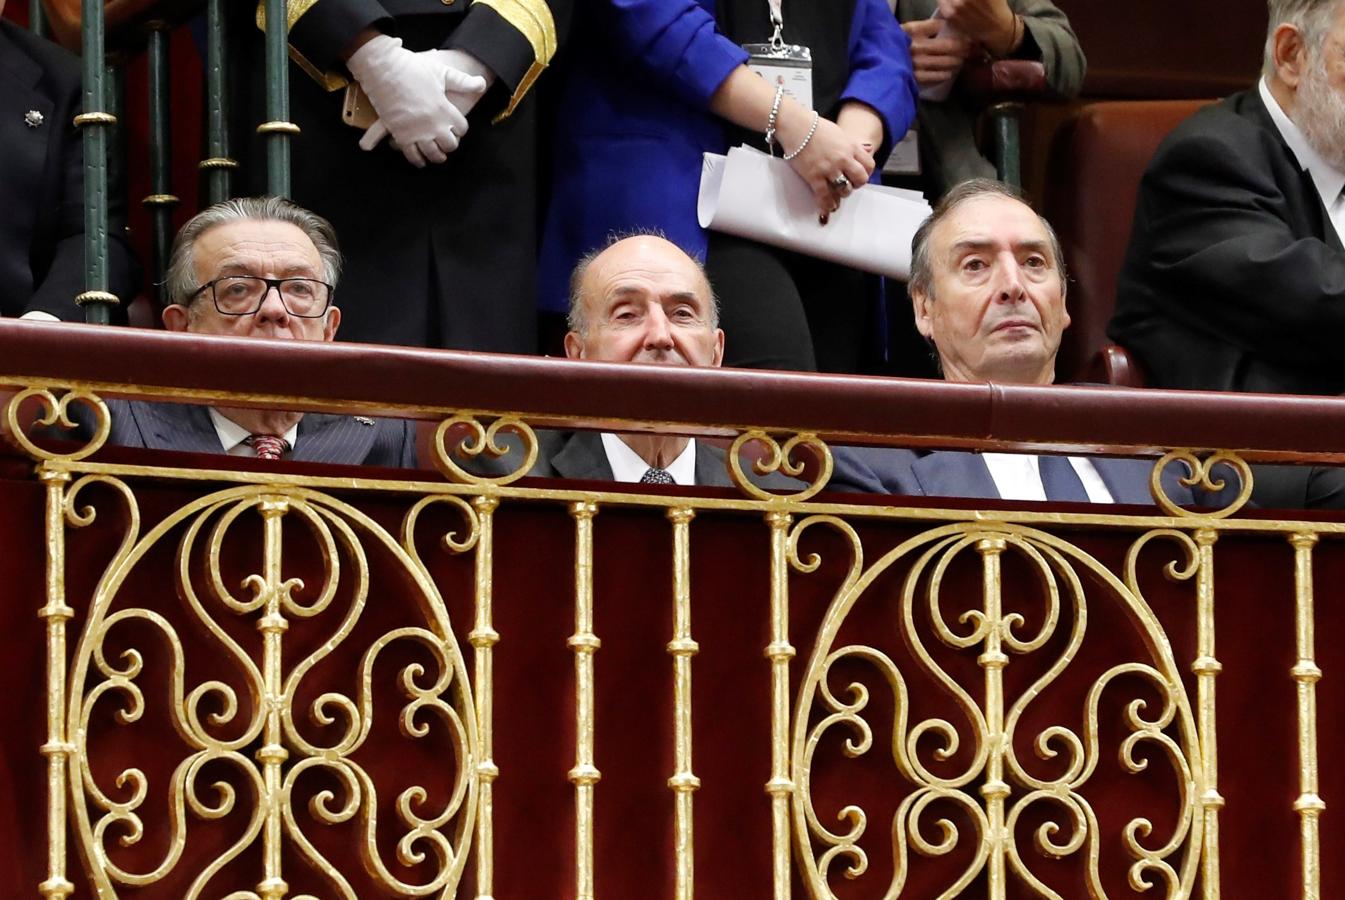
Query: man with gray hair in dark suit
[(259, 268)]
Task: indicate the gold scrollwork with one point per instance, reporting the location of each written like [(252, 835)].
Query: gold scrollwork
[(198, 713), (983, 788), (482, 440), (779, 458), (57, 414), (1201, 475)]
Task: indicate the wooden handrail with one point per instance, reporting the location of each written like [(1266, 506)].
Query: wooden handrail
[(424, 384)]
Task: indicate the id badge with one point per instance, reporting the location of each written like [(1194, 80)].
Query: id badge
[(788, 64), (905, 158)]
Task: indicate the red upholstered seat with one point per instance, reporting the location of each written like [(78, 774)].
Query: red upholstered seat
[(1096, 164)]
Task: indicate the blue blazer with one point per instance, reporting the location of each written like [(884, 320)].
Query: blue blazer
[(634, 122)]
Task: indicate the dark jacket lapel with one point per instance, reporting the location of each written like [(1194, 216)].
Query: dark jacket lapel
[(581, 456), (166, 426), (333, 439), (1309, 202), (954, 473)]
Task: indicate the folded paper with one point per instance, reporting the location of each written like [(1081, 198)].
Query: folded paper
[(752, 195)]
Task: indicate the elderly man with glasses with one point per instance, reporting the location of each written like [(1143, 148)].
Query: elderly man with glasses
[(258, 268)]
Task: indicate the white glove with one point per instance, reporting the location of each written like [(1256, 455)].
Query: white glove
[(408, 91), (462, 61)]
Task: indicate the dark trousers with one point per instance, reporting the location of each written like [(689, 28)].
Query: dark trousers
[(781, 310)]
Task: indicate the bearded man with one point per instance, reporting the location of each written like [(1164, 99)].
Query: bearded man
[(1235, 275)]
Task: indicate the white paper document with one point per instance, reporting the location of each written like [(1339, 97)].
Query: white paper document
[(760, 197)]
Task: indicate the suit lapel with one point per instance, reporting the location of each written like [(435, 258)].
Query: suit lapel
[(953, 473), (175, 426), (711, 466), (338, 440), (1127, 480), (582, 456), (1311, 203)]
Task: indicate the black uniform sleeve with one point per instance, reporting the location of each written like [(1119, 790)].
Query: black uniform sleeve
[(515, 38)]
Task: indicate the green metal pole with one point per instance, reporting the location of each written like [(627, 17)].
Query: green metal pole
[(161, 199), (96, 122), (278, 129), (37, 18), (1008, 143), (218, 165)]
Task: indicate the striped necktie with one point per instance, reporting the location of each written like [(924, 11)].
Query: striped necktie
[(267, 446)]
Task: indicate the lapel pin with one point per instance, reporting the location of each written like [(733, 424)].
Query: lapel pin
[(364, 420), (33, 118)]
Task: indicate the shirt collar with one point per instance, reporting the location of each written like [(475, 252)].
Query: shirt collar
[(629, 467), (231, 434), (1328, 181)]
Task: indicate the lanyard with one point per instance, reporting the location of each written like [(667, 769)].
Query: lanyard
[(778, 24)]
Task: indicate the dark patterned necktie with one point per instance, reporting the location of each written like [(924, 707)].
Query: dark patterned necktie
[(656, 475), (267, 446), (1059, 479)]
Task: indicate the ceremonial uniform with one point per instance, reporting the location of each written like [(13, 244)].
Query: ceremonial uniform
[(442, 256)]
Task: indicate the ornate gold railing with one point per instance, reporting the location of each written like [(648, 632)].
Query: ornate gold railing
[(1002, 688)]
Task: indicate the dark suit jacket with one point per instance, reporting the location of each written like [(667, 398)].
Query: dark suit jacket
[(42, 183), (580, 455), (322, 438), (955, 473), (1234, 279)]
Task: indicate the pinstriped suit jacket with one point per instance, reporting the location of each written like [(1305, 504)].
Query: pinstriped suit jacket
[(322, 438)]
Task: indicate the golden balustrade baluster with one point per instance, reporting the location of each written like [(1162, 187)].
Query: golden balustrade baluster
[(483, 638), (1207, 668), (57, 749), (683, 781), (779, 651), (1306, 673), (994, 660), (273, 754), (585, 644)]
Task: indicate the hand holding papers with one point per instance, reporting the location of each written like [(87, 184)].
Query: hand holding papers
[(756, 196)]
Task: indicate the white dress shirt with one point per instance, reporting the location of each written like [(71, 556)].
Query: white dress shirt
[(1017, 476), (232, 436), (629, 467), (1328, 181)]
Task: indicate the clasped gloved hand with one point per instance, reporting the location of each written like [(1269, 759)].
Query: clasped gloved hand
[(409, 92)]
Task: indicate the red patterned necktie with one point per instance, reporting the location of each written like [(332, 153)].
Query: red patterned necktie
[(267, 446)]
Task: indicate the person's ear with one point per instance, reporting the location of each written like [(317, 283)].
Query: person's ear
[(175, 317), (332, 322), (718, 359), (574, 345), (924, 317), (1290, 54)]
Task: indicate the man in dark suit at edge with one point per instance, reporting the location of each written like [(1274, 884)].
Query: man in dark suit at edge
[(258, 268), (42, 184), (988, 290), (1235, 275)]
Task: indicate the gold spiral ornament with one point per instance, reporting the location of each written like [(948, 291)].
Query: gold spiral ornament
[(1202, 476), (481, 443), (57, 414), (779, 458)]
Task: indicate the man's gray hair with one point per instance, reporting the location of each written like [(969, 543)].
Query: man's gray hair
[(180, 277), (1311, 17), (577, 317), (922, 267)]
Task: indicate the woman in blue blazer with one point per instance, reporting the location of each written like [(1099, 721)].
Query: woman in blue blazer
[(655, 84)]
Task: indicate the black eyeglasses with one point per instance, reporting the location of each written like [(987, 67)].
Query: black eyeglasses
[(243, 295)]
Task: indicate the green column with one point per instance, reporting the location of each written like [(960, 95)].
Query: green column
[(218, 166), (278, 128), (37, 17), (1008, 143), (96, 121), (161, 199)]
